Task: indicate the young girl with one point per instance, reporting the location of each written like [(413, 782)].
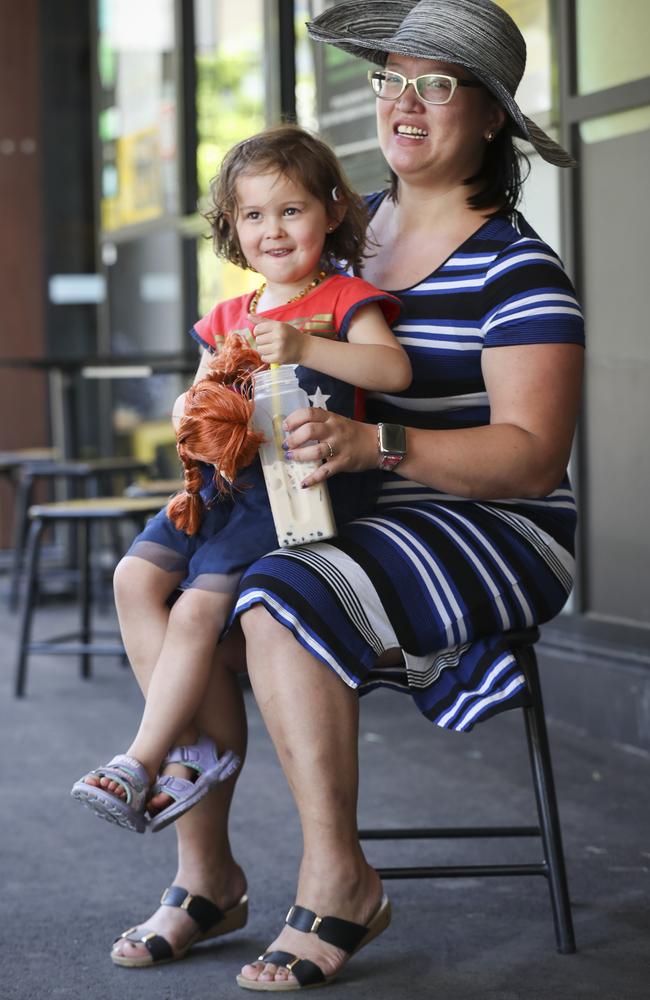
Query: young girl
[(283, 208)]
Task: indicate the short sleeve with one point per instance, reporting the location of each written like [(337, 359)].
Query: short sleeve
[(355, 293), (530, 299), (226, 317)]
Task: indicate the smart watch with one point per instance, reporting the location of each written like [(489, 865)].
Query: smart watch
[(391, 441)]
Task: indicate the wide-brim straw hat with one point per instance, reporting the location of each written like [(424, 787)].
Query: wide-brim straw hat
[(476, 34)]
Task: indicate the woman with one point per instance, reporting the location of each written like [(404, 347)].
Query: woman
[(474, 531)]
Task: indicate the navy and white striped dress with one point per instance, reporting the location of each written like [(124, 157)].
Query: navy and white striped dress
[(440, 576)]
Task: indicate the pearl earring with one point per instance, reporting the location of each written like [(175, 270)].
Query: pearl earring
[(330, 229), (490, 136)]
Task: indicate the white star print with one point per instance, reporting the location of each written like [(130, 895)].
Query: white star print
[(319, 398)]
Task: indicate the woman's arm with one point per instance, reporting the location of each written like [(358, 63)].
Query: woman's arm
[(534, 394), (371, 358)]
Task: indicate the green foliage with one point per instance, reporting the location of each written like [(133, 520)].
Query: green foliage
[(229, 106)]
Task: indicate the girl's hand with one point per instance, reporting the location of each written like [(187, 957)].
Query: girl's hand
[(278, 343), (340, 444)]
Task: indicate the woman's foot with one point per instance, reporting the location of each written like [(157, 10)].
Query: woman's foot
[(174, 924), (356, 900)]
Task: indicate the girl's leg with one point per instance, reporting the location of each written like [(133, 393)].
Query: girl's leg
[(206, 866), (312, 718), (180, 676), (141, 591)]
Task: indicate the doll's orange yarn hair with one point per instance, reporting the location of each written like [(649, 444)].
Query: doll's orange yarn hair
[(215, 428)]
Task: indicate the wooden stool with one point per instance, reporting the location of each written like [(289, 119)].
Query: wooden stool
[(81, 513), (551, 866), (154, 487), (96, 475)]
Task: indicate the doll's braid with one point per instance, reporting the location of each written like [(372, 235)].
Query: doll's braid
[(215, 429)]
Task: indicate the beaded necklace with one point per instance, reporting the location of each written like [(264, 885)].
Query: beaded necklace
[(260, 291)]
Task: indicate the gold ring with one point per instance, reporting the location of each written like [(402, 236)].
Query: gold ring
[(331, 450)]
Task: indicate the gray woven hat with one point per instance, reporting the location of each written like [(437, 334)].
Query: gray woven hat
[(476, 34)]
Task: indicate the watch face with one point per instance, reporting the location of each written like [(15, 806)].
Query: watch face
[(392, 439)]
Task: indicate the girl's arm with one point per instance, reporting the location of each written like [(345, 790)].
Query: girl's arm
[(371, 358), (179, 403)]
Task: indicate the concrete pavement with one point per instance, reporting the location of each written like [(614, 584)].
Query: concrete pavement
[(70, 884)]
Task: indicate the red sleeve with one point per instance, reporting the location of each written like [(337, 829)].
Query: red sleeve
[(230, 316), (354, 293)]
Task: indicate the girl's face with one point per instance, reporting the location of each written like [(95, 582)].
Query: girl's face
[(441, 144), (281, 228)]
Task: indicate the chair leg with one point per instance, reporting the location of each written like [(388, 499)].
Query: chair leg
[(83, 554), (549, 820), (22, 500), (33, 551)]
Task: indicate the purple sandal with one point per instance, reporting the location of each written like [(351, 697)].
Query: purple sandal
[(211, 768), (131, 775)]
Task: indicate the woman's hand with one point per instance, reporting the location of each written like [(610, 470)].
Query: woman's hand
[(278, 343), (340, 444)]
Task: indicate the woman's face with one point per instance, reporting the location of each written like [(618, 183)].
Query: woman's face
[(436, 144)]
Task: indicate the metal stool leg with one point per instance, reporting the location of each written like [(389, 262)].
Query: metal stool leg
[(33, 552), (549, 820), (22, 500), (83, 551)]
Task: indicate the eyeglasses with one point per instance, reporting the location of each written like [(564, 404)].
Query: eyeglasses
[(432, 88)]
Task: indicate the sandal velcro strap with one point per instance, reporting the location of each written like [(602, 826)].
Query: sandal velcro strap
[(159, 949), (200, 909), (341, 933), (307, 973)]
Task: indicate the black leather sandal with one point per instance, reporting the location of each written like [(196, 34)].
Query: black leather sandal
[(211, 922), (343, 934)]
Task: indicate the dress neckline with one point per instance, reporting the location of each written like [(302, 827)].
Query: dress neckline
[(397, 291), (301, 298)]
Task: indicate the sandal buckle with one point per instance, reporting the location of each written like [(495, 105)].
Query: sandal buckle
[(289, 914), (291, 964), (148, 937), (187, 902), (316, 924)]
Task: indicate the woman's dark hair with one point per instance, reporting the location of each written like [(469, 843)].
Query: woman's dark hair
[(304, 159), (500, 180)]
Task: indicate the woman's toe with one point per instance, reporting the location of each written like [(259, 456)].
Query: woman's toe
[(129, 949), (268, 973), (252, 971)]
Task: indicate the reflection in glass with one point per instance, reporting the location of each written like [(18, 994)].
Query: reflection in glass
[(532, 19), (615, 126), (612, 43), (229, 107), (137, 111)]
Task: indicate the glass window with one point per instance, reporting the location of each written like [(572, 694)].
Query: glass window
[(612, 43), (615, 242), (305, 81), (532, 19), (229, 106), (137, 111)]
